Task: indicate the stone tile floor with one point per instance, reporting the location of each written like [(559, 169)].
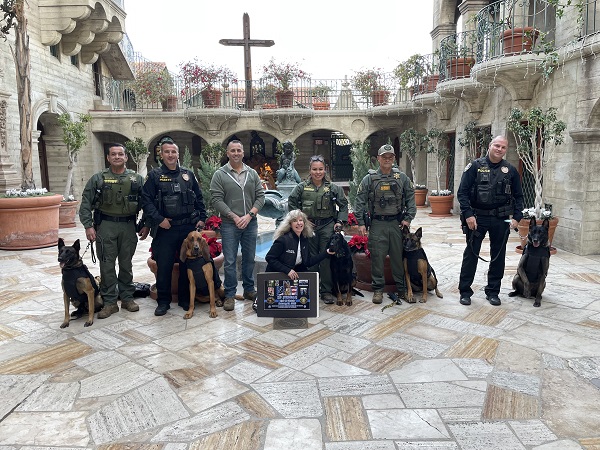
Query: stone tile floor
[(422, 376)]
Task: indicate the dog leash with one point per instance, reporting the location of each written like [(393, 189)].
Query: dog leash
[(395, 301), (92, 253), (506, 234)]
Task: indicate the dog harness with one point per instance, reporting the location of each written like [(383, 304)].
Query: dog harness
[(195, 265), (535, 256), (412, 265), (70, 277)]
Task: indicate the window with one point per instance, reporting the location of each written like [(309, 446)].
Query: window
[(75, 60), (55, 51)]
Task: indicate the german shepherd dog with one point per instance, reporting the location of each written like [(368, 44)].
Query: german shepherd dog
[(79, 286), (341, 268), (205, 284), (530, 279), (417, 270)]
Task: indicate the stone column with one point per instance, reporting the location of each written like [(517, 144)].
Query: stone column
[(9, 177)]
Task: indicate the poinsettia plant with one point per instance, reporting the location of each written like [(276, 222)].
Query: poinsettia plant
[(352, 219), (214, 246), (213, 223), (359, 244)]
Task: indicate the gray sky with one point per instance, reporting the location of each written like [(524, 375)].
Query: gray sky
[(327, 38)]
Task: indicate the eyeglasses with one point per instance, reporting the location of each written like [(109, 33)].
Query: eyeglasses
[(317, 158)]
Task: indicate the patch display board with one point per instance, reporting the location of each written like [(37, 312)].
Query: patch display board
[(278, 296)]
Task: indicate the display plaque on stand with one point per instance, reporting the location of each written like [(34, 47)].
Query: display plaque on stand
[(279, 296)]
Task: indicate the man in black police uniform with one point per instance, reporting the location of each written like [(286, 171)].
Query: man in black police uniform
[(489, 193), (173, 205)]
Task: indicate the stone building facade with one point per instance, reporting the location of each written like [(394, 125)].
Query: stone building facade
[(497, 82)]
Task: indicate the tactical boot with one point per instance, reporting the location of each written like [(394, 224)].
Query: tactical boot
[(229, 304), (130, 305), (250, 295), (378, 297), (108, 310)]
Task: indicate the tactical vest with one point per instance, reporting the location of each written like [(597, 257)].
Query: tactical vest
[(119, 194), (70, 277), (492, 187), (176, 196), (318, 204), (385, 193)]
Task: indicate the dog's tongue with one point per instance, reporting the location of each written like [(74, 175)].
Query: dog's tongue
[(536, 244), (62, 265)]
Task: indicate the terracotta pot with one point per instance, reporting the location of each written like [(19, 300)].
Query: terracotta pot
[(170, 103), (459, 67), (66, 214), (420, 197), (175, 276), (429, 84), (321, 106), (441, 205), (519, 40), (524, 230), (362, 265), (380, 97), (29, 222), (285, 99), (211, 98), (269, 106)]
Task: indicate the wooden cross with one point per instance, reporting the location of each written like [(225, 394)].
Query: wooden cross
[(247, 43)]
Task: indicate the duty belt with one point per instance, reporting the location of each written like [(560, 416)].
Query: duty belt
[(319, 222), (118, 219), (386, 218), (181, 221), (487, 212)]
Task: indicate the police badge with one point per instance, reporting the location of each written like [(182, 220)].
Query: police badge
[(504, 169), (186, 177)]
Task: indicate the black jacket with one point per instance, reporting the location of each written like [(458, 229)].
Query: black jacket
[(282, 254)]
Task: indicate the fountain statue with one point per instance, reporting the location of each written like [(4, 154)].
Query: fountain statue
[(276, 201)]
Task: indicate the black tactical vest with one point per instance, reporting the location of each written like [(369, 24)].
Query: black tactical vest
[(492, 186), (177, 197)]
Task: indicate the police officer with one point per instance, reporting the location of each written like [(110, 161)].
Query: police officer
[(489, 193), (173, 204), (114, 196), (389, 196), (326, 207)]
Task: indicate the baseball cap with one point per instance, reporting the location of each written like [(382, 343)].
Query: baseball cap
[(387, 148)]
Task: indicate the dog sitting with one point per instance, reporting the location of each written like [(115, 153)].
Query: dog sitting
[(341, 268), (530, 279), (205, 283), (79, 286), (417, 270)]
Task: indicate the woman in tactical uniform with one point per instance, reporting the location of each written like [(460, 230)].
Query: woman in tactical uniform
[(327, 208)]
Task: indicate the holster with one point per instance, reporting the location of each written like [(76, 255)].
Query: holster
[(367, 219), (97, 217)]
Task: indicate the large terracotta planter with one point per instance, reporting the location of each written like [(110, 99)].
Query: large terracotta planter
[(420, 197), (29, 222), (66, 214), (285, 99), (362, 265), (524, 230), (519, 40), (211, 98), (459, 67), (175, 276), (380, 98), (441, 205), (321, 106), (170, 103)]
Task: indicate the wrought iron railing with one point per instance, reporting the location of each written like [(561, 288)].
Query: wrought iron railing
[(457, 55), (429, 68), (590, 17)]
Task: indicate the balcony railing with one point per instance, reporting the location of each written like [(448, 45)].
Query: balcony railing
[(457, 55), (428, 74)]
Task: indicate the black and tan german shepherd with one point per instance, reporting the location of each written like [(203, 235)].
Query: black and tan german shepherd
[(79, 286), (417, 270), (342, 266), (530, 279)]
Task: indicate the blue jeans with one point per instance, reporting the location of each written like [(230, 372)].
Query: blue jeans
[(231, 238)]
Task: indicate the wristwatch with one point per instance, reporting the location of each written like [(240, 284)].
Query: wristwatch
[(251, 214)]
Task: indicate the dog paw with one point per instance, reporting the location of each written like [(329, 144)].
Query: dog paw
[(89, 323), (411, 300), (513, 294), (212, 314), (187, 316), (339, 303), (348, 302), (423, 300), (64, 324)]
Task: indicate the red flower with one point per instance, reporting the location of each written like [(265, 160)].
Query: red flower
[(352, 219), (359, 244), (213, 223), (214, 245)]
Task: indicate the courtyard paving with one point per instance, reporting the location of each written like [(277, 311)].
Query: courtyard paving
[(420, 376)]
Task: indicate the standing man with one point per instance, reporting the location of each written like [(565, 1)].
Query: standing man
[(114, 196), (173, 204), (489, 193), (389, 196), (237, 195)]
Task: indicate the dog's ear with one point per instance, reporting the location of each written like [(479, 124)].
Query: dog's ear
[(204, 249), (405, 231), (76, 245), (419, 233), (546, 223), (61, 243), (532, 222), (183, 250)]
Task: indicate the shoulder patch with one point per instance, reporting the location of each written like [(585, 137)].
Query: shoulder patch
[(468, 167)]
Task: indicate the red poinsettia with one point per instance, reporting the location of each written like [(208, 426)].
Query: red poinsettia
[(359, 244), (212, 223), (214, 245), (352, 219)]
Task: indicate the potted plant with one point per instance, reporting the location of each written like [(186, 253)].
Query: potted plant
[(457, 54), (475, 140), (265, 96), (282, 75), (361, 163), (154, 84), (419, 71), (202, 78), (75, 136), (372, 85), (440, 200), (411, 143), (210, 161), (536, 133), (351, 227), (518, 39), (320, 94), (361, 257), (138, 151)]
